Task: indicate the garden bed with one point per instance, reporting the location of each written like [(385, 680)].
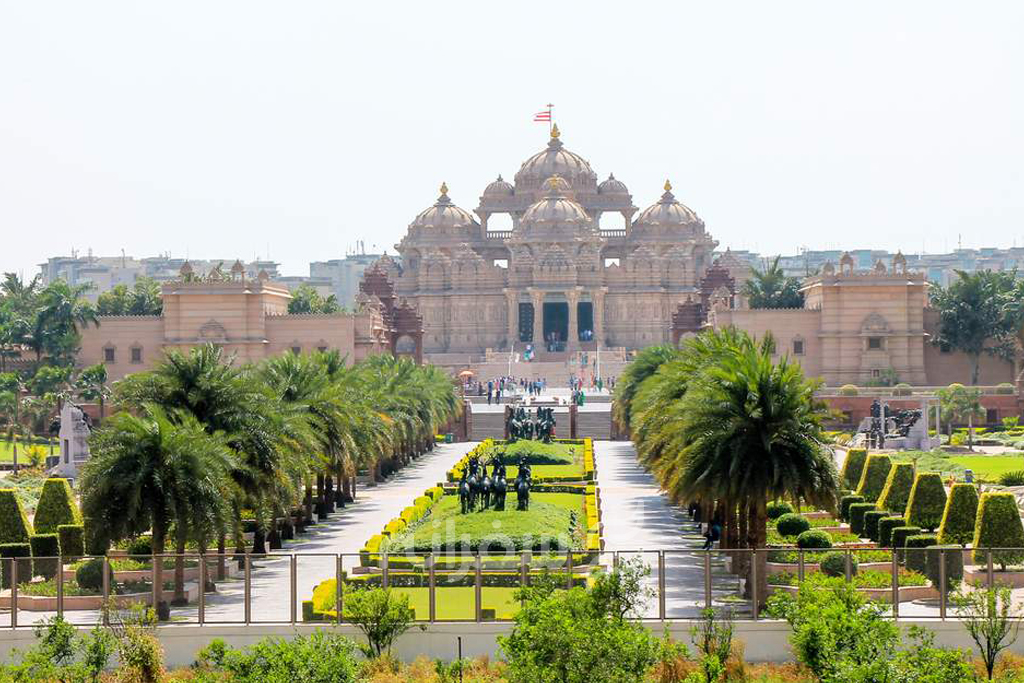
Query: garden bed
[(1013, 579), (906, 593), (142, 595)]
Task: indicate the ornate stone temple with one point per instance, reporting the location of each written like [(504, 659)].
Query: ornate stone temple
[(561, 278)]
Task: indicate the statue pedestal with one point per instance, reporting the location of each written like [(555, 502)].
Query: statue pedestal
[(74, 441)]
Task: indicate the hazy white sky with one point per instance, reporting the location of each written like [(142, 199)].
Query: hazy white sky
[(224, 129)]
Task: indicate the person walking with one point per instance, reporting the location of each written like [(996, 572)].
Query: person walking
[(713, 535)]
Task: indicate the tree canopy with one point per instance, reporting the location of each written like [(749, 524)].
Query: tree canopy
[(143, 298), (305, 299), (770, 287)]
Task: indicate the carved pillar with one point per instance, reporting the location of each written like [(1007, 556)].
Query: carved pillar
[(573, 297), (537, 297), (598, 296), (513, 316)]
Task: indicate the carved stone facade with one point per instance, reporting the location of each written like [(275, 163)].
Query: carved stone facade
[(560, 277)]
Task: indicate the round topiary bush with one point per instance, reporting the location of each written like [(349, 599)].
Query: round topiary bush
[(902, 389), (814, 539), (777, 508), (853, 467), (834, 564), (871, 519), (953, 557), (927, 501), (792, 524), (916, 557), (143, 545), (898, 485), (90, 575), (848, 390), (959, 516), (872, 481), (844, 506), (900, 535), (857, 512), (998, 526), (885, 527), (1005, 388)]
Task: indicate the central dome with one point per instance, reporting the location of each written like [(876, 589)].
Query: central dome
[(556, 160), (555, 216)]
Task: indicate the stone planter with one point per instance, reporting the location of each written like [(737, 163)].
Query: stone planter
[(33, 603), (906, 593), (1012, 579), (793, 568)]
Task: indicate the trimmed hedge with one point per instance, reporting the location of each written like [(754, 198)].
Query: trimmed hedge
[(777, 508), (871, 519), (14, 524), (45, 546), (853, 467), (857, 512), (953, 556), (917, 559), (872, 481), (998, 526), (896, 493), (960, 515), (56, 506), (814, 538), (792, 524), (927, 501), (844, 506), (97, 538), (885, 527), (143, 545), (15, 550), (90, 575), (899, 538), (834, 564), (72, 540)]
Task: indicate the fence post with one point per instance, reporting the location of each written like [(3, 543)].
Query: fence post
[(848, 568), (294, 585), (991, 571), (384, 570), (14, 592), (60, 584), (753, 577), (895, 585), (942, 583), (568, 570), (106, 589), (707, 579), (248, 588), (477, 593), (432, 589), (202, 589), (800, 565), (339, 593), (661, 585)]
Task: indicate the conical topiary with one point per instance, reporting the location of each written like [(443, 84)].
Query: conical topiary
[(56, 506), (958, 519), (896, 493), (853, 467), (14, 524), (998, 526), (872, 480), (927, 501)]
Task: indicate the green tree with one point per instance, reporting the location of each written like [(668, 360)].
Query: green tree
[(643, 366), (143, 298), (14, 329), (770, 287), (61, 311), (92, 386), (305, 299), (961, 404), (974, 316)]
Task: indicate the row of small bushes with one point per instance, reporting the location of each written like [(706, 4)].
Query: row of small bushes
[(478, 451), (370, 553)]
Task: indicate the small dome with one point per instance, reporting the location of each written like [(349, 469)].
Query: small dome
[(186, 268), (612, 186), (237, 268), (499, 188), (556, 212), (667, 213), (556, 160), (443, 214)]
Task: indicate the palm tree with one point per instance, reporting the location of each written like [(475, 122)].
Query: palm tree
[(14, 329), (61, 311), (148, 471), (643, 366), (92, 385), (770, 287), (751, 432)]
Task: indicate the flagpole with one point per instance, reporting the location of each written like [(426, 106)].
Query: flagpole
[(551, 119)]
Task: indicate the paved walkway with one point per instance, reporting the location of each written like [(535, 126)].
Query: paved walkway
[(638, 516)]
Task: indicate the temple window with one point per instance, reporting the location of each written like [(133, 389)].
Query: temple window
[(136, 352), (109, 354), (874, 343), (798, 347)]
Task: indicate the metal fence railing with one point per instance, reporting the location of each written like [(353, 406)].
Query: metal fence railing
[(236, 588)]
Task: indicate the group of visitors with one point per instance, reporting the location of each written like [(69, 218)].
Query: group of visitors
[(710, 529), (494, 389)]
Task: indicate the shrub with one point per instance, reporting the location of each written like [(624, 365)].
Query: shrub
[(844, 506), (320, 657), (857, 512), (953, 556), (792, 524), (899, 538), (871, 519), (834, 564), (778, 508), (853, 467), (848, 390), (14, 524), (885, 527), (897, 489), (90, 575), (902, 389), (72, 540), (1005, 388), (927, 501), (56, 506), (1012, 478), (381, 614), (959, 516), (97, 538), (916, 559), (45, 546), (872, 480), (998, 526), (16, 550), (143, 545), (814, 538)]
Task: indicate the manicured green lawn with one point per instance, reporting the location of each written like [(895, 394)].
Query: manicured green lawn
[(459, 602), (546, 459), (546, 523), (7, 451), (989, 466)]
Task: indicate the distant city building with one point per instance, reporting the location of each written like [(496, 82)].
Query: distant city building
[(343, 275)]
